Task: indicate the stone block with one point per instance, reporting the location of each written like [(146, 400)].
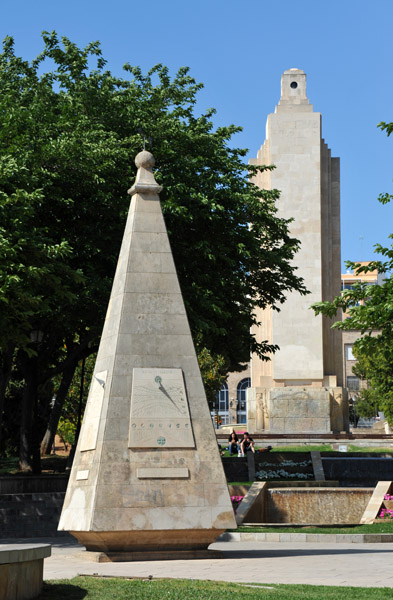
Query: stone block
[(278, 405), (145, 283), (320, 424), (150, 242), (149, 223), (297, 407), (152, 324), (277, 425), (21, 570)]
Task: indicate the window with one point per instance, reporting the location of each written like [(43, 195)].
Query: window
[(347, 286), (223, 398), (242, 386), (353, 383), (221, 406), (349, 352)]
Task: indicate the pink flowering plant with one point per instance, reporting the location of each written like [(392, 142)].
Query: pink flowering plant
[(236, 501), (386, 513)]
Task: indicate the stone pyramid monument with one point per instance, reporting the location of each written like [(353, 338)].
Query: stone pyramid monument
[(147, 479)]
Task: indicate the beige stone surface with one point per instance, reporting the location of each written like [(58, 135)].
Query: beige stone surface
[(160, 416), (299, 410), (150, 417), (317, 466), (376, 502), (251, 507), (327, 505), (93, 415), (21, 570), (162, 473)]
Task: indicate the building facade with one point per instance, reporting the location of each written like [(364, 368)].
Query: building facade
[(231, 403), (351, 381)]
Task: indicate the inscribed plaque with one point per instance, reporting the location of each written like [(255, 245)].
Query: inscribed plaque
[(163, 473), (160, 417)]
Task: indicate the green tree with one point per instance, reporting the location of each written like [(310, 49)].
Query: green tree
[(213, 373), (367, 399), (370, 311), (68, 137)]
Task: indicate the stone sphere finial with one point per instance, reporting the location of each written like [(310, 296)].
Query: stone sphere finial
[(145, 159)]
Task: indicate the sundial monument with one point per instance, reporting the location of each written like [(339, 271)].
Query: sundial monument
[(147, 479)]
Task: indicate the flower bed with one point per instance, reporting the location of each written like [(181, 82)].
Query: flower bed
[(278, 474), (386, 511), (294, 469)]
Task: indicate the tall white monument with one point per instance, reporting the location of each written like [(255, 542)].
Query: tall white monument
[(147, 479), (299, 390)]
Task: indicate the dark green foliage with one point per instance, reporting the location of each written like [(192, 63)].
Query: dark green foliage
[(68, 138), (67, 143)]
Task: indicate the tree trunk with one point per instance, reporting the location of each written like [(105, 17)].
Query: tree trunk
[(26, 425), (5, 373), (49, 437)]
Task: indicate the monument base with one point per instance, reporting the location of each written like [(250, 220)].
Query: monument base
[(164, 544), (297, 409), (104, 557)]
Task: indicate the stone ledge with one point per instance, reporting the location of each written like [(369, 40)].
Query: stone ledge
[(317, 538), (15, 553), (21, 570)]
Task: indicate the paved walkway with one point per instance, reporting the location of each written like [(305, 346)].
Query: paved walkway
[(368, 565)]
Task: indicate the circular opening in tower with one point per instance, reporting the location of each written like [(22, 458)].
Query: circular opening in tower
[(294, 85)]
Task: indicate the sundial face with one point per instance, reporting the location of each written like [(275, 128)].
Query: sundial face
[(160, 416)]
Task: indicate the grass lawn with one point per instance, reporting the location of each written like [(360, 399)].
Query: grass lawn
[(382, 527), (180, 589), (304, 448), (371, 450)]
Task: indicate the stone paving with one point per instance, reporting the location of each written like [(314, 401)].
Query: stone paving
[(368, 565)]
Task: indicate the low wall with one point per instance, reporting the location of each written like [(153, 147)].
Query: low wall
[(316, 506), (236, 469), (29, 484), (30, 515), (321, 504), (358, 470)]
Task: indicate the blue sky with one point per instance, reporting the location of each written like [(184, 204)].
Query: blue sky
[(239, 51)]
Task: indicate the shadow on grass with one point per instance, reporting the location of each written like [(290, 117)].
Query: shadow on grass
[(65, 591)]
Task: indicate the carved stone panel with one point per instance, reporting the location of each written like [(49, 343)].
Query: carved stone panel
[(160, 416)]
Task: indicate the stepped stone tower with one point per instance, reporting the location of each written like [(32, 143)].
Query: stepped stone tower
[(299, 390), (147, 479)]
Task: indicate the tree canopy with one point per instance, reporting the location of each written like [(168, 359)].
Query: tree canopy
[(68, 138), (369, 309)]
